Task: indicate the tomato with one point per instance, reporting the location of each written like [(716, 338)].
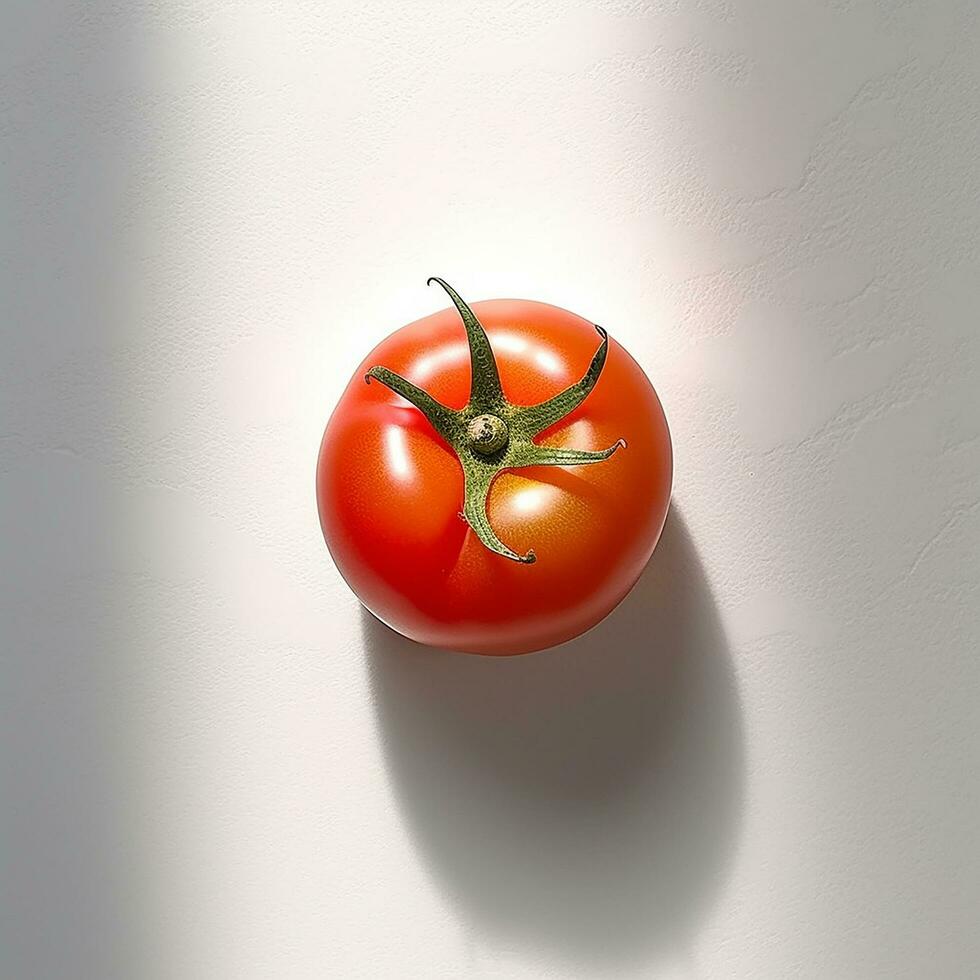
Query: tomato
[(464, 519)]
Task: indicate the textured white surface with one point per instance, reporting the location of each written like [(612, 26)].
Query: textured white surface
[(214, 765)]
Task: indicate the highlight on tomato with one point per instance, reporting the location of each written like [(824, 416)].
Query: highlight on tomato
[(494, 478)]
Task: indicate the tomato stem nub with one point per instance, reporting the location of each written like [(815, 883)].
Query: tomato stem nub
[(490, 435), (486, 434)]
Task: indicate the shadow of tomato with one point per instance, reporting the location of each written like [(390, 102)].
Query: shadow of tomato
[(583, 800)]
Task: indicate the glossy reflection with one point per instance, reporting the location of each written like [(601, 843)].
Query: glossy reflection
[(535, 356), (428, 365), (530, 499), (396, 453)]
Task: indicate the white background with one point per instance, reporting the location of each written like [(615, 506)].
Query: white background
[(764, 765)]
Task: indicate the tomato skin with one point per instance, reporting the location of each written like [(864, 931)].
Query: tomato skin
[(390, 491)]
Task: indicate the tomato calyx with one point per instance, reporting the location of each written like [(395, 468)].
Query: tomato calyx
[(490, 434)]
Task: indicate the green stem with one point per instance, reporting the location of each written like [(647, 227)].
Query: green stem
[(490, 434), (486, 394), (475, 511), (555, 456), (541, 417)]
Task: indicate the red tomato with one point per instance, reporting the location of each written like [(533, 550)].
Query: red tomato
[(390, 488)]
